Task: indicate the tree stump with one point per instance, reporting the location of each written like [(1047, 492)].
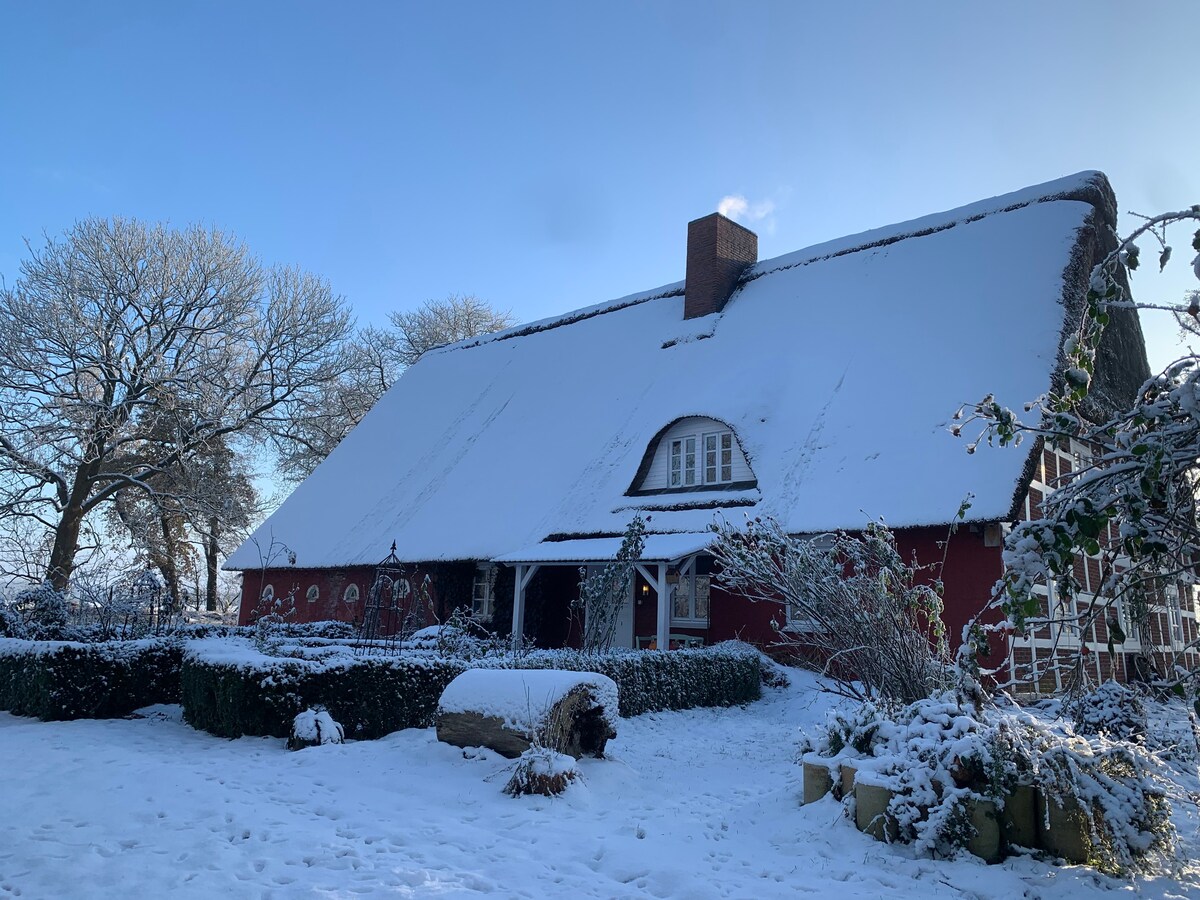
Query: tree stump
[(508, 710)]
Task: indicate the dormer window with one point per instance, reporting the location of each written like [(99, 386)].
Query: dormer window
[(705, 458), (693, 454)]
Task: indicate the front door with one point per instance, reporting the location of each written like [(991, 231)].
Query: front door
[(623, 634)]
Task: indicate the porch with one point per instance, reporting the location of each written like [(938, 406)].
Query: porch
[(671, 583)]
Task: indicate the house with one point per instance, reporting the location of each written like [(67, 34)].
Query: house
[(815, 387)]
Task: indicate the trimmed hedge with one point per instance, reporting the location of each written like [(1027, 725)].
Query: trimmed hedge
[(229, 689), (727, 674), (368, 696), (56, 680)]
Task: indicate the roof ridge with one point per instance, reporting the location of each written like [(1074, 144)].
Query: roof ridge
[(1090, 187)]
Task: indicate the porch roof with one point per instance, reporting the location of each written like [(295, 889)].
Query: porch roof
[(659, 548)]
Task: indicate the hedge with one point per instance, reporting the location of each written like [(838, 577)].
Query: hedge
[(56, 680), (246, 693), (725, 674), (229, 689)]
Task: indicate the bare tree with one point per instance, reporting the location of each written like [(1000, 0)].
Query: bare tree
[(119, 324), (439, 322), (375, 358), (853, 608)]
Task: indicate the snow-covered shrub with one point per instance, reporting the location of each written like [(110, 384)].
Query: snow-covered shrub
[(12, 624), (314, 727), (59, 680), (459, 637), (43, 609), (1112, 710), (541, 770), (850, 605), (230, 688), (1128, 816), (854, 727), (725, 674), (941, 754)]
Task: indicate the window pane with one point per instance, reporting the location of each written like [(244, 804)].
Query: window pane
[(702, 584), (679, 601), (689, 461), (676, 463)]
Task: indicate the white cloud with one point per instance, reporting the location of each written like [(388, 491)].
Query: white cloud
[(738, 208)]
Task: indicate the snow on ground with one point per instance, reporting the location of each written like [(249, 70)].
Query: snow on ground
[(692, 804)]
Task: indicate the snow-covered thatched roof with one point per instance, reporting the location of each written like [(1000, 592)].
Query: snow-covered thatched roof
[(838, 367)]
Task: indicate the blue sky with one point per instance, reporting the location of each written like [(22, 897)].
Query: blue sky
[(549, 156)]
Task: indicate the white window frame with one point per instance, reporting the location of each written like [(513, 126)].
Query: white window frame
[(483, 593), (313, 594), (1174, 616), (268, 593), (688, 580), (688, 459), (1067, 634), (346, 598)]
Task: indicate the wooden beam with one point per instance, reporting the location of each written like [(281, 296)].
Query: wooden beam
[(524, 575), (664, 609)]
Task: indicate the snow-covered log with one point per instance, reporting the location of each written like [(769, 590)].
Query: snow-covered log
[(508, 710)]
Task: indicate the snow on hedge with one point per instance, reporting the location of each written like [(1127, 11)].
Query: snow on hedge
[(522, 698)]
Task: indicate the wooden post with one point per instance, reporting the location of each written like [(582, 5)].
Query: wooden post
[(518, 622), (664, 609), (520, 582)]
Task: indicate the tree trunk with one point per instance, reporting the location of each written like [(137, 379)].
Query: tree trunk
[(574, 725), (168, 565), (66, 535), (210, 565)]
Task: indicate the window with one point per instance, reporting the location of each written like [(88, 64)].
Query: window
[(702, 459), (313, 594), (351, 594), (268, 593), (1174, 614), (483, 594), (1065, 612), (689, 596)]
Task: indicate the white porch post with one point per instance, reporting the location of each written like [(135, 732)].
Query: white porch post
[(520, 582), (664, 609)]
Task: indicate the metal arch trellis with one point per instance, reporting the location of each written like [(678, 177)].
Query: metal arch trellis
[(397, 606)]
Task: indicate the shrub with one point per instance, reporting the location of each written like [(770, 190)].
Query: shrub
[(59, 680), (315, 727), (851, 604), (541, 770), (727, 674), (940, 754), (1112, 710), (230, 689)]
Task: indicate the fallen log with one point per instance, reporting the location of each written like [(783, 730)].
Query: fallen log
[(508, 710)]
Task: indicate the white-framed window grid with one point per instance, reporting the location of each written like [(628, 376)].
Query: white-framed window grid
[(699, 459), (690, 595), (1174, 616), (483, 594)]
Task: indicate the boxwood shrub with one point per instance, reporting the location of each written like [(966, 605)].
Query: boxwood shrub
[(230, 689), (63, 680), (725, 674)]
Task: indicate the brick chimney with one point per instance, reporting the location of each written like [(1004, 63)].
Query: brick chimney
[(719, 250)]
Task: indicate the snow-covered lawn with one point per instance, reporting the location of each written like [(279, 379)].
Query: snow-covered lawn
[(690, 804)]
